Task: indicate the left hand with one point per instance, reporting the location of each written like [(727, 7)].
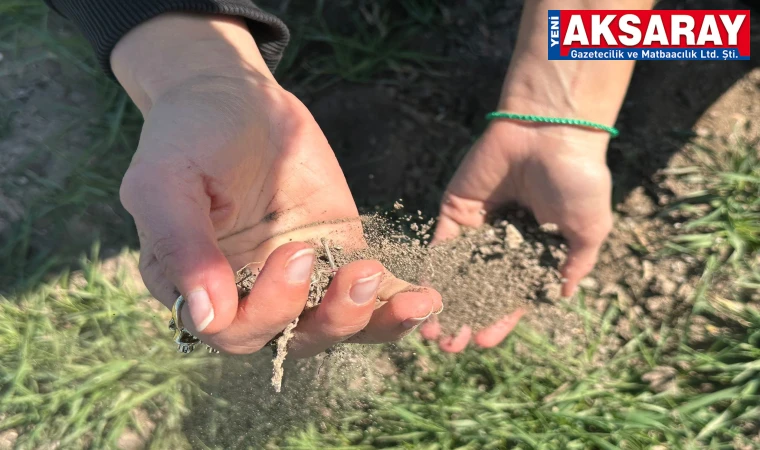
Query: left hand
[(558, 172), (231, 170)]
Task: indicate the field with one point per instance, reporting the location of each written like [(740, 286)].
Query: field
[(660, 349)]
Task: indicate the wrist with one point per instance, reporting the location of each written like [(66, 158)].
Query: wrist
[(594, 140), (173, 48), (577, 89), (586, 90), (525, 142), (545, 104), (548, 94)]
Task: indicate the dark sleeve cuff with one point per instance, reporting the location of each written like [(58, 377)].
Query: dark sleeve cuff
[(104, 22)]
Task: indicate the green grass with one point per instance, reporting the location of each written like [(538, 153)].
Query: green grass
[(529, 394), (80, 361), (42, 239), (374, 42), (81, 355), (725, 213)]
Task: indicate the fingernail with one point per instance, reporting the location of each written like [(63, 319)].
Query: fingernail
[(411, 323), (201, 311), (365, 289), (299, 266)]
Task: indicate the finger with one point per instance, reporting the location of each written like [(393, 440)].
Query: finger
[(445, 229), (580, 261), (278, 296), (173, 215), (344, 311), (455, 213), (431, 329), (154, 279), (455, 344), (494, 334), (399, 316), (583, 252), (153, 276)]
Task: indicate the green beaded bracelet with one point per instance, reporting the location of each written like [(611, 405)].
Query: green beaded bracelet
[(555, 120)]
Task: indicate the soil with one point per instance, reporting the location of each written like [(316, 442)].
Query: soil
[(494, 270), (509, 263), (484, 274), (327, 263)]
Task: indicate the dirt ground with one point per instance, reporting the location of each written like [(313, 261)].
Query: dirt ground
[(397, 137)]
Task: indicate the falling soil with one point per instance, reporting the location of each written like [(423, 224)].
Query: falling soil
[(324, 270)]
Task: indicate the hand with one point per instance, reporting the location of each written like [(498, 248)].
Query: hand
[(231, 170), (558, 172)]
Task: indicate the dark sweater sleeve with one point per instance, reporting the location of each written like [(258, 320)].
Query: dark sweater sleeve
[(104, 22)]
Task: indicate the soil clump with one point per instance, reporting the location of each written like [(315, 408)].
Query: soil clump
[(494, 270)]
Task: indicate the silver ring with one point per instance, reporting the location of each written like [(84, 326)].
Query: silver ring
[(184, 339), (177, 312)]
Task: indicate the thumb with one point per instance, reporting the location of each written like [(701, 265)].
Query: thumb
[(179, 251)]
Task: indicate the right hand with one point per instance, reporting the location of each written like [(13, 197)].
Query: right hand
[(230, 170), (558, 172)]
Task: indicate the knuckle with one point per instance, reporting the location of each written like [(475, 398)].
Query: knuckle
[(138, 182), (129, 190), (166, 249), (341, 332), (147, 266), (456, 210), (154, 280)]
